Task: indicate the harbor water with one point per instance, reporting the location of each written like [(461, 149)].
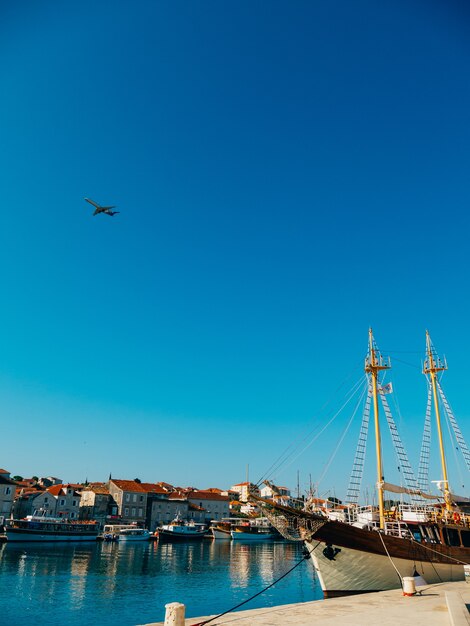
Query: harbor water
[(126, 584)]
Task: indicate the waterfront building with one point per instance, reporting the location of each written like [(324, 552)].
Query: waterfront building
[(129, 499), (24, 502), (212, 502), (96, 503), (59, 501), (281, 495), (7, 495), (158, 508), (166, 508), (243, 489)]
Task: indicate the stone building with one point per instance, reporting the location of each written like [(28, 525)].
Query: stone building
[(7, 495)]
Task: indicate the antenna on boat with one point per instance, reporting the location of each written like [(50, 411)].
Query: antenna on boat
[(373, 365), (433, 364)]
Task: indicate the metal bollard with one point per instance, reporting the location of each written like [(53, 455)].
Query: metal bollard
[(174, 615)]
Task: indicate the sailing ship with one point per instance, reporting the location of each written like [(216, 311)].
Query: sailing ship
[(374, 548)]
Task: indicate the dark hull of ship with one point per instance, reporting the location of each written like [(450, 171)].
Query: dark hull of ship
[(21, 534), (350, 560), (168, 535)]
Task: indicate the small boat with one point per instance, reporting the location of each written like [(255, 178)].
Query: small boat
[(180, 530), (124, 532), (253, 530), (221, 530), (134, 534), (41, 528)]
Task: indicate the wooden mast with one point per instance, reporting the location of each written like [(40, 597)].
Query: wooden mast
[(432, 365), (375, 363)]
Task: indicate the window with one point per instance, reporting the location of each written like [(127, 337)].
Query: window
[(74, 503), (69, 491), (62, 502), (141, 498), (465, 538), (451, 536), (128, 497), (7, 491), (133, 511), (126, 511), (72, 515), (140, 512), (46, 499), (134, 497)]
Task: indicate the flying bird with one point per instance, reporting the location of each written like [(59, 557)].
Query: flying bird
[(102, 209)]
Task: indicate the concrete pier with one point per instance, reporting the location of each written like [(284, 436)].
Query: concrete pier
[(445, 604)]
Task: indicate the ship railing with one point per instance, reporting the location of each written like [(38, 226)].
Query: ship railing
[(361, 515), (417, 513), (398, 529)]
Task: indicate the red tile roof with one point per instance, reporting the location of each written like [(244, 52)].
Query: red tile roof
[(176, 495), (154, 488), (55, 490), (98, 489), (128, 485), (207, 495)]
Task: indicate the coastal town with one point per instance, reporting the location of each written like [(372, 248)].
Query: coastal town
[(127, 502)]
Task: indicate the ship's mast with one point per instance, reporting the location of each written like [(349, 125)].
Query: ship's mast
[(432, 365), (373, 365)]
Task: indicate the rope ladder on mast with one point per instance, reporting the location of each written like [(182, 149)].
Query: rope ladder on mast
[(458, 433), (423, 469), (355, 479)]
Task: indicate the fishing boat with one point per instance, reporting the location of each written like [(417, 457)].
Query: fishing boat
[(40, 528), (134, 534), (374, 548), (253, 530), (181, 530), (125, 532), (221, 530)]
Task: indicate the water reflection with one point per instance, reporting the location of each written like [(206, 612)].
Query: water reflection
[(129, 583)]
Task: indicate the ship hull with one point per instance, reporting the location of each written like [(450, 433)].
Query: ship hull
[(350, 560), (29, 535), (221, 535), (164, 535), (250, 536)]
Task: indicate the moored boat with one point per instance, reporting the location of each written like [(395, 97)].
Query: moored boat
[(134, 534), (253, 530), (40, 528), (180, 530), (221, 530)]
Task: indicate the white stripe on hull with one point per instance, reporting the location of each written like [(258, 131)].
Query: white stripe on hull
[(357, 571), (221, 534)]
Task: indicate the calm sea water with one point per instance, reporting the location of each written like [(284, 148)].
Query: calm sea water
[(113, 584)]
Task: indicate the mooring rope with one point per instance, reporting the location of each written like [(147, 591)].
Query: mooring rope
[(305, 557), (391, 561)]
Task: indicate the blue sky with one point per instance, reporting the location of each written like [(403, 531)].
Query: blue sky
[(287, 175)]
